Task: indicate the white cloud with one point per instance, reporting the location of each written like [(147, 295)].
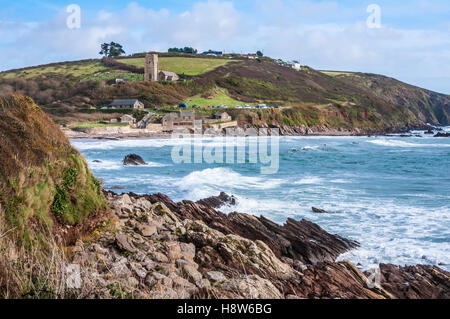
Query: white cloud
[(323, 35)]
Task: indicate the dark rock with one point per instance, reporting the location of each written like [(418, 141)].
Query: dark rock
[(430, 131), (96, 161), (133, 159), (442, 134), (298, 240), (218, 201), (319, 211), (415, 282)]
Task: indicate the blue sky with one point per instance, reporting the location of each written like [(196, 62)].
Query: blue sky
[(412, 44)]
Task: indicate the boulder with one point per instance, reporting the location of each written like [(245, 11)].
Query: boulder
[(147, 230), (442, 134), (216, 276), (218, 201), (124, 243), (318, 210), (134, 160)]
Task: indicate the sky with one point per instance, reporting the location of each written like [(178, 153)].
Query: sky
[(410, 41)]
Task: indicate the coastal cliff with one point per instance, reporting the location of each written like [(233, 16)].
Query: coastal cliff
[(54, 216)]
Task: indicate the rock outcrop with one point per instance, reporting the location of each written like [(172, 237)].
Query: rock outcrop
[(300, 240), (442, 135), (218, 201), (148, 249), (133, 160)]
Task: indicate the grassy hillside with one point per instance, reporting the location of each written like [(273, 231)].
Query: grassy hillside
[(70, 91), (46, 193), (181, 65), (427, 105)]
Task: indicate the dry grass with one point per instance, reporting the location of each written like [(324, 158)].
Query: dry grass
[(37, 273)]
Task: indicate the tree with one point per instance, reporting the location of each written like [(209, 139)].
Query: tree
[(260, 54), (105, 49), (111, 50)]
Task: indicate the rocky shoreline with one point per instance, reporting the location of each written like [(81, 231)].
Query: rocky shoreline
[(151, 247), (284, 130)]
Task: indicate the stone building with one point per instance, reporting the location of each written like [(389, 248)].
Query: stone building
[(127, 104), (127, 119), (184, 119), (168, 76), (222, 116), (151, 67)]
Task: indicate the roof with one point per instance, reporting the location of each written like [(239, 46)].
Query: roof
[(186, 113), (124, 102), (220, 113), (127, 116), (168, 73)]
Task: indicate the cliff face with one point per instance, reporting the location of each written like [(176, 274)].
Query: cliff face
[(47, 192), (426, 105)]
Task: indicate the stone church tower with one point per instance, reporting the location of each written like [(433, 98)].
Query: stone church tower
[(151, 67)]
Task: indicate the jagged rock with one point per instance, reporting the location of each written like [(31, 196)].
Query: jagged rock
[(218, 201), (134, 160), (192, 273), (250, 287), (120, 269), (159, 257), (415, 282), (216, 276), (301, 240), (156, 278), (125, 243), (261, 259), (147, 230), (442, 135), (318, 211)]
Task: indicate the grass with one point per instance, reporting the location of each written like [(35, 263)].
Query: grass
[(182, 65), (78, 70), (336, 73), (221, 97), (114, 75)]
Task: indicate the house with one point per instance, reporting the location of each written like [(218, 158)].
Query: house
[(213, 53), (121, 81), (296, 65), (222, 116), (251, 56), (127, 104), (127, 119), (168, 76), (184, 119)]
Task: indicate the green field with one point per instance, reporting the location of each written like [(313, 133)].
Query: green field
[(180, 65), (221, 97), (336, 73), (78, 70)]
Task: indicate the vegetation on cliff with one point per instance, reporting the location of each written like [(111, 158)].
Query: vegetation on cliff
[(46, 190)]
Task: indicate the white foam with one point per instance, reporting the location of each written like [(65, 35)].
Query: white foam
[(397, 143), (309, 180), (208, 181)]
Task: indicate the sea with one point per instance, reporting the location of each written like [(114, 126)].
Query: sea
[(390, 193)]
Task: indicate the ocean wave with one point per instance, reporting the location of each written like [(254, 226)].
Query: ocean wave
[(309, 180), (397, 143), (208, 181)]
